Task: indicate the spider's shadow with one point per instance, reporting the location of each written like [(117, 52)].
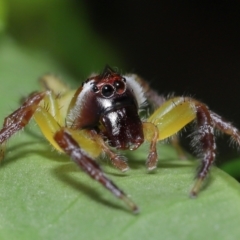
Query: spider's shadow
[(63, 174), (19, 150)]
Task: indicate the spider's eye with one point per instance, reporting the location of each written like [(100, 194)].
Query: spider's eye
[(120, 86), (107, 90), (95, 88)]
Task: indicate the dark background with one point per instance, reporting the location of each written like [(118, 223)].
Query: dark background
[(189, 48)]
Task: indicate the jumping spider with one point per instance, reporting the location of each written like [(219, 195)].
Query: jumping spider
[(103, 114)]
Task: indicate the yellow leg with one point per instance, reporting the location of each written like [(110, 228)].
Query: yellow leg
[(176, 113), (173, 115), (53, 83), (58, 98), (49, 126), (51, 104)]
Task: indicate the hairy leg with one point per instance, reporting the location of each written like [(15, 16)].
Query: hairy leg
[(88, 165), (205, 141), (225, 127), (19, 118)]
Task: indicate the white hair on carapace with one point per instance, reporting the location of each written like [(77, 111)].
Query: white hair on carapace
[(136, 88)]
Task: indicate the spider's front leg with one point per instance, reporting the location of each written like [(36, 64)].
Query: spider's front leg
[(70, 146), (19, 119)]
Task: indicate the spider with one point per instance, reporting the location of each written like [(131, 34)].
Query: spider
[(103, 115)]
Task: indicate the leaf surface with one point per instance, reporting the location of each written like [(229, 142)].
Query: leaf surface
[(43, 195)]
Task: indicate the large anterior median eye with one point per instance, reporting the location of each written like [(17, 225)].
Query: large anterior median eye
[(107, 90), (120, 86)]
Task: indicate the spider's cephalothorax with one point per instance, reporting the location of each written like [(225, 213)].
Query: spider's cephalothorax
[(104, 113), (109, 103)]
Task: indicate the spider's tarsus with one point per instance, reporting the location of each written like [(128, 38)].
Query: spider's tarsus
[(197, 186), (193, 194), (125, 169), (151, 168), (152, 161), (134, 208)]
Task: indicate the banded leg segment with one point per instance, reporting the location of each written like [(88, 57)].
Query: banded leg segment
[(175, 114), (225, 127), (88, 165), (206, 139), (151, 134), (20, 118)]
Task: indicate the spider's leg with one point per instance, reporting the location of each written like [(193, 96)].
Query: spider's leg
[(170, 118), (19, 118), (225, 127), (71, 148), (155, 100), (151, 134), (174, 115), (53, 83), (205, 137)]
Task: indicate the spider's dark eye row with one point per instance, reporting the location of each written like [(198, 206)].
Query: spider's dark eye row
[(107, 90), (120, 86), (95, 88)]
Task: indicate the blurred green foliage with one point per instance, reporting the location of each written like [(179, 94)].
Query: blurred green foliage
[(63, 29), (3, 15)]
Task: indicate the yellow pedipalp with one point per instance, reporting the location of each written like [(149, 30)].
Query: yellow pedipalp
[(172, 116), (48, 125)]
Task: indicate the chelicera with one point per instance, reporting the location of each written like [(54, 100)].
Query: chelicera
[(103, 114)]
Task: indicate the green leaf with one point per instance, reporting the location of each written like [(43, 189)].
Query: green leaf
[(66, 33), (43, 195), (232, 167), (3, 15)]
